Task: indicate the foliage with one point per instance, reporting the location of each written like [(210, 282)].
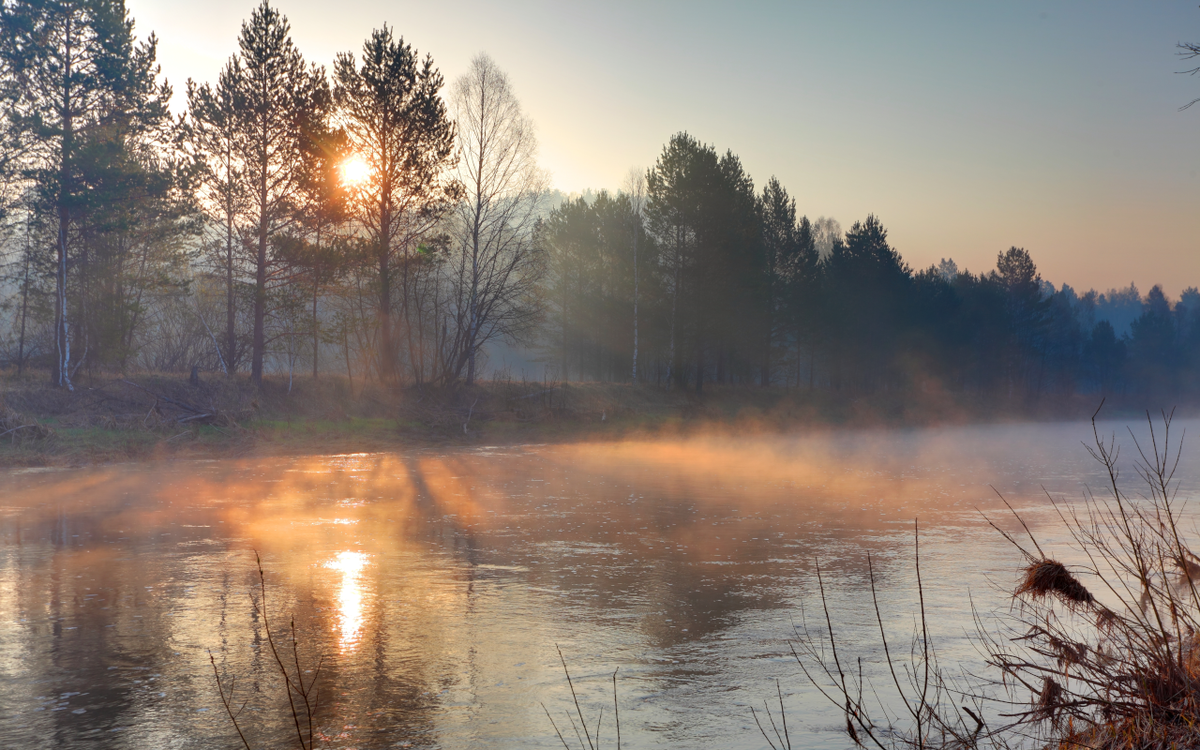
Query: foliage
[(236, 238)]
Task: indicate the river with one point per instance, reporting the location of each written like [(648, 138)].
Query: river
[(435, 586)]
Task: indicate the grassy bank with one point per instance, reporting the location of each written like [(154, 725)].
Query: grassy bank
[(152, 416)]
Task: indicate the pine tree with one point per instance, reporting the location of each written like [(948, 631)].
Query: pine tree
[(276, 99), (212, 138), (82, 98), (398, 125)]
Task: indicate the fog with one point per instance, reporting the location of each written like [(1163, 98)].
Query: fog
[(436, 584)]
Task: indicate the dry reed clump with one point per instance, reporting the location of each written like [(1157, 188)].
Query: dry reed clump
[(1045, 578), (1112, 668), (1049, 702), (1123, 674)]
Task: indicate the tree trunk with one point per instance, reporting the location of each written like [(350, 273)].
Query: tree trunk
[(386, 355), (230, 309), (316, 330), (387, 352), (770, 331), (566, 329), (671, 363), (62, 344), (260, 307), (416, 363), (635, 306), (24, 316)]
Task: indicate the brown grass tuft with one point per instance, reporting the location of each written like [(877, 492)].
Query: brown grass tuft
[(1049, 701), (1051, 578)]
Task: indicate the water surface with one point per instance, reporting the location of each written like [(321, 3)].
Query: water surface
[(434, 586)]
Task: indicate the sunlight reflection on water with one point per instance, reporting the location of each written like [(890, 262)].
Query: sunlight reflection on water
[(349, 596), (435, 585)]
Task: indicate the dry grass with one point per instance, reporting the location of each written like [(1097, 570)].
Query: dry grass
[(1117, 668), (1123, 672), (1050, 578)]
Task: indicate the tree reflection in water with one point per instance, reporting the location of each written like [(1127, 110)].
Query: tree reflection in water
[(435, 584)]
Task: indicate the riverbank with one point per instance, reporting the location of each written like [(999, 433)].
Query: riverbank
[(156, 416)]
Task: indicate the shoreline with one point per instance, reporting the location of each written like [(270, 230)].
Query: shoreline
[(161, 417)]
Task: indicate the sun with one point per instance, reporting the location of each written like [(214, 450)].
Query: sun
[(355, 171)]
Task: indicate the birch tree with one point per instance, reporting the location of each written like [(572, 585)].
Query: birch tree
[(495, 264)]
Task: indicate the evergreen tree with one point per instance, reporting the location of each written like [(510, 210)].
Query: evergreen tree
[(1027, 312), (1154, 345), (802, 298), (674, 188), (1104, 356), (570, 239), (82, 98), (276, 100), (212, 138), (398, 125), (782, 248), (318, 250), (868, 306)]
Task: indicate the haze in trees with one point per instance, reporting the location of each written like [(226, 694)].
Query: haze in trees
[(402, 231), (88, 148), (401, 133), (494, 268)]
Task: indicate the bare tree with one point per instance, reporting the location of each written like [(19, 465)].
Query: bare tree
[(495, 264), (826, 231), (1189, 51)]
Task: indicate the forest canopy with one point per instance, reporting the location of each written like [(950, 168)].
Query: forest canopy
[(368, 220)]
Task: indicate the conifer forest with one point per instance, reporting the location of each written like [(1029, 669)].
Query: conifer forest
[(367, 218)]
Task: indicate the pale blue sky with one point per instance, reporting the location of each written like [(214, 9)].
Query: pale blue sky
[(966, 127)]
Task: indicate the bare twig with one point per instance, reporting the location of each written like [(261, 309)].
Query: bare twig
[(575, 697), (19, 427), (225, 701)]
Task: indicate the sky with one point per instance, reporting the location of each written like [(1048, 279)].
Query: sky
[(966, 128)]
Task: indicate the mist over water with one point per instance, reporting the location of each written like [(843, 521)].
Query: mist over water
[(436, 584)]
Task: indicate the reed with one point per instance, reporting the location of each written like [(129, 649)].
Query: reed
[(1117, 668), (935, 711), (303, 697)]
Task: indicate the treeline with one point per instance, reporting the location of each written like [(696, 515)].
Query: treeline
[(291, 211), (691, 276), (369, 220)]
